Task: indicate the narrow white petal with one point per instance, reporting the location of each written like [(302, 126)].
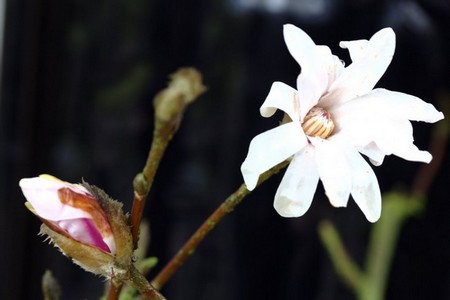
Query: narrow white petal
[(371, 61), (389, 135), (382, 117), (299, 183), (283, 97), (271, 148), (365, 189), (400, 105), (343, 171), (395, 136), (309, 89), (356, 122), (356, 48), (335, 69), (334, 170), (381, 102), (404, 149), (317, 66), (373, 152), (300, 45)]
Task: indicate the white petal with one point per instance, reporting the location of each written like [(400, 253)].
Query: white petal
[(300, 45), (42, 193), (382, 117), (400, 105), (403, 149), (336, 69), (271, 148), (334, 170), (316, 62), (358, 49), (283, 97), (309, 89), (381, 102), (391, 136), (373, 152), (356, 122), (365, 189), (394, 136), (371, 59), (343, 171), (299, 183)]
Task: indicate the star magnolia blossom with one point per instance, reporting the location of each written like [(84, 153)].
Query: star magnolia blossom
[(69, 209), (335, 115)]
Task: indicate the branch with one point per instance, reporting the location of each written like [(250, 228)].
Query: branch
[(189, 247)]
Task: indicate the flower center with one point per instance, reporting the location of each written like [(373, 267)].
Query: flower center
[(318, 123)]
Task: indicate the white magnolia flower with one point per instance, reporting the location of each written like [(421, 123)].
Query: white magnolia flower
[(334, 116)]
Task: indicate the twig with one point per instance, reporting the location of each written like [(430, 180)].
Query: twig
[(170, 103), (189, 247)]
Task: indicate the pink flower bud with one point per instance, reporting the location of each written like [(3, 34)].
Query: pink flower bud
[(70, 210)]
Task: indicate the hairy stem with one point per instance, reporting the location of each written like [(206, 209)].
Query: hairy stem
[(140, 283), (185, 86), (143, 181)]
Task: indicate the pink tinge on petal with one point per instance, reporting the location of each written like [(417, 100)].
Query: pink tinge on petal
[(42, 193), (85, 231)]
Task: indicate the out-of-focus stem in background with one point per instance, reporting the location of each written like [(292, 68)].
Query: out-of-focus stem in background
[(369, 282)]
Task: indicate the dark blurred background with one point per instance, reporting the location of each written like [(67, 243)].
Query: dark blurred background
[(78, 79)]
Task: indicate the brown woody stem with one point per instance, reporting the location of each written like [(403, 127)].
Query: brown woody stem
[(114, 291), (209, 224), (184, 87)]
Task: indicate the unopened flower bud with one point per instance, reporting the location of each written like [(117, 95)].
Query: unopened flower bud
[(83, 222), (50, 286), (184, 87)]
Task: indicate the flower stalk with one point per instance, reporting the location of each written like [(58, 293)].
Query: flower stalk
[(140, 283), (169, 104), (208, 225), (185, 86), (113, 290)]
